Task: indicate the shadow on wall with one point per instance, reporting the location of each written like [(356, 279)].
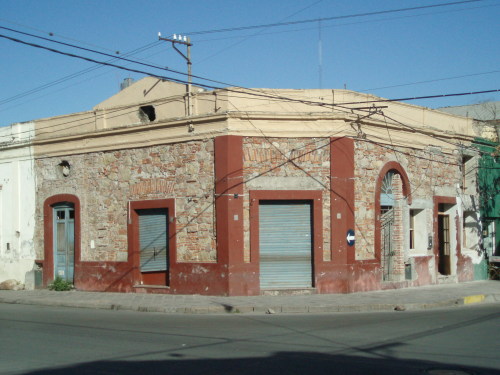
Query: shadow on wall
[(280, 363)]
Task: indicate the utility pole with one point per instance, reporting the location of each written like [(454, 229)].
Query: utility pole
[(184, 40)]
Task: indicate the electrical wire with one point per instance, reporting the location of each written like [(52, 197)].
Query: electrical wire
[(229, 89), (113, 57), (258, 93), (430, 81), (55, 35), (69, 77), (254, 34), (423, 97), (212, 31), (344, 24)]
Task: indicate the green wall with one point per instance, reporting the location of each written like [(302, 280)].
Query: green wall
[(488, 179)]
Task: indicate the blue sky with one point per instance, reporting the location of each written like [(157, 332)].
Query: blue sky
[(387, 55)]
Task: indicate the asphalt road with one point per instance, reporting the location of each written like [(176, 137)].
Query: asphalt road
[(46, 340)]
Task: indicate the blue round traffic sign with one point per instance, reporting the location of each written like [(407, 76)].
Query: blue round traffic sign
[(351, 239)]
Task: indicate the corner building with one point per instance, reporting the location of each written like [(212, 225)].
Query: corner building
[(255, 191)]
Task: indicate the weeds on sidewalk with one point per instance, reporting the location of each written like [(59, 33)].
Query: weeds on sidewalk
[(60, 285)]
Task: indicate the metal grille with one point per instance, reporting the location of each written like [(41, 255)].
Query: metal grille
[(153, 240), (386, 225)]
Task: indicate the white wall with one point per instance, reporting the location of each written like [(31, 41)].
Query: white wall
[(17, 203)]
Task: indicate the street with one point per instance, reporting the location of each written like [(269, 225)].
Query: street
[(45, 340)]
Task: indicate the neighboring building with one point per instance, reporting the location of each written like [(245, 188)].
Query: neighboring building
[(250, 194), (486, 117), (483, 171), (489, 196), (17, 204)]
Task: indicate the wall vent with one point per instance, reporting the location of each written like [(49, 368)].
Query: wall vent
[(147, 113)]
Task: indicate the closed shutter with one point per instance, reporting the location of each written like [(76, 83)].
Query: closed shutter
[(285, 244), (153, 235)]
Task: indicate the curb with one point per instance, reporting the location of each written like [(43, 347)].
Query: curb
[(271, 309)]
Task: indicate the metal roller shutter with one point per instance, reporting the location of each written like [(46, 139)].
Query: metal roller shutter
[(153, 239), (285, 242)]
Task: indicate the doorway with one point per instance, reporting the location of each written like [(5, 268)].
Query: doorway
[(153, 245), (444, 264), (285, 233), (64, 241)]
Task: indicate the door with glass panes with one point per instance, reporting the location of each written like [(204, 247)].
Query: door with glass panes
[(64, 241)]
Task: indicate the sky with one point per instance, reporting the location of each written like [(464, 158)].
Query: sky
[(437, 50)]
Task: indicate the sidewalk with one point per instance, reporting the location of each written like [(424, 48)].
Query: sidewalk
[(427, 297)]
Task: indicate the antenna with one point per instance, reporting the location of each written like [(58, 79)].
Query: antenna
[(320, 56)]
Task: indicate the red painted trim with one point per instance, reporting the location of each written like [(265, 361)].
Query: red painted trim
[(228, 164), (105, 276), (390, 166), (234, 272), (133, 238), (315, 196), (48, 240), (435, 248), (342, 199)]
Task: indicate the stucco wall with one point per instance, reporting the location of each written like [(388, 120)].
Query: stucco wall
[(106, 181), (17, 205)]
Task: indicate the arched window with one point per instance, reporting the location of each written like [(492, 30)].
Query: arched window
[(391, 188), (386, 191), (387, 200)]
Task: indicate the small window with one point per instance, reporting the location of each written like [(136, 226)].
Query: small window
[(418, 230), (147, 113), (468, 174), (412, 229)]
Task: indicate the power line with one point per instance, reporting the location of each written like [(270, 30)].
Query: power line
[(54, 34), (206, 79), (423, 97), (69, 77), (212, 31), (83, 48), (256, 93), (245, 38), (430, 80), (113, 58), (251, 92), (101, 53), (344, 24)]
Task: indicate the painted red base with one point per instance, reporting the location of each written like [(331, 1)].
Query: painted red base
[(231, 275), (422, 264)]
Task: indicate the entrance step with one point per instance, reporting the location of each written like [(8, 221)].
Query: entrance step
[(288, 292), (447, 279), (144, 286)]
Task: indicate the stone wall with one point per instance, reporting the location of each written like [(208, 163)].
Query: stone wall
[(430, 172), (105, 182), (287, 164)]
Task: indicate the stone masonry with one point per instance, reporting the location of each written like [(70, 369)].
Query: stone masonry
[(287, 164), (105, 182), (430, 172)]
